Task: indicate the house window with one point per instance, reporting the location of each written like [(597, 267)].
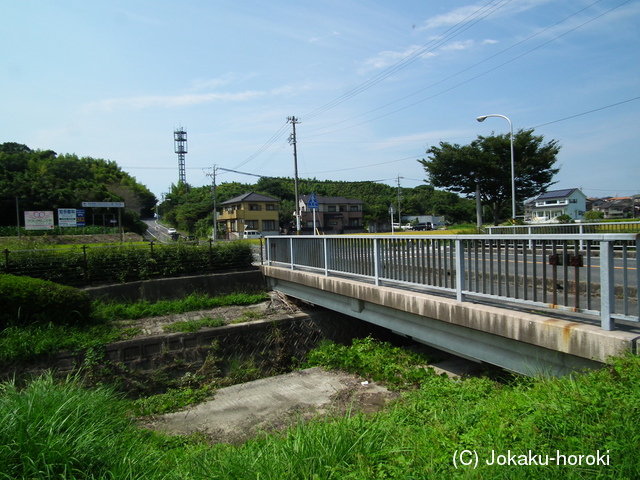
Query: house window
[(354, 222), (271, 206), (251, 225), (254, 207), (332, 208), (268, 225), (353, 208)]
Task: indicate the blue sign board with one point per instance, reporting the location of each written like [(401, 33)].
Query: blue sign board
[(313, 202), (80, 220)]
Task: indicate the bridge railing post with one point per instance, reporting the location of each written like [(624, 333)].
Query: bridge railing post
[(291, 252), (459, 261), (376, 261), (607, 285), (325, 245)]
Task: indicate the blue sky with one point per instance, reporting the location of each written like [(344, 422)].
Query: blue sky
[(373, 83)]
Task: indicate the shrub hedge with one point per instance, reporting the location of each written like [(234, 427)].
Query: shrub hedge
[(90, 265), (27, 300)]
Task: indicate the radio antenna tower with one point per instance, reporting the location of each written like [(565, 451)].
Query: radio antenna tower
[(180, 143)]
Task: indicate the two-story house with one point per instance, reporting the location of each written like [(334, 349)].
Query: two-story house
[(548, 206), (615, 207), (335, 215), (250, 211)]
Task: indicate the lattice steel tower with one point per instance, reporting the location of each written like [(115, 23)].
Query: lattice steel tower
[(180, 143)]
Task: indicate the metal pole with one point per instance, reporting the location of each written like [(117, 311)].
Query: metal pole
[(215, 223), (293, 121), (482, 118), (18, 216), (478, 207)]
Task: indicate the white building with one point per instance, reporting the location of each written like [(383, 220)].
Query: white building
[(548, 206)]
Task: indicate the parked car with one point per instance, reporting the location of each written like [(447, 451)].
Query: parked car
[(171, 231), (423, 226), (248, 234)]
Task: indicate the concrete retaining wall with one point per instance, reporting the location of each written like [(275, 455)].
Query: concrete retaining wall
[(247, 281), (268, 343)]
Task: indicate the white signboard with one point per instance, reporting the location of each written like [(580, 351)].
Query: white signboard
[(67, 217), (103, 204), (38, 220)]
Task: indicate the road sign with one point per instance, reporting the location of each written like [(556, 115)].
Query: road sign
[(313, 202), (103, 204)]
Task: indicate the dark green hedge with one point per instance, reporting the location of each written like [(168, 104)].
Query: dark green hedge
[(91, 265), (27, 300)]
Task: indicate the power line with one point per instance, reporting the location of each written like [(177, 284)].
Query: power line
[(471, 67), (453, 31), (588, 112)]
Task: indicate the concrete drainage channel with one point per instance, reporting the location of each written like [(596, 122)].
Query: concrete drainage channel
[(271, 348)]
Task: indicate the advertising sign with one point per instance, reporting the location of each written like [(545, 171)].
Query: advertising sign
[(80, 221), (67, 217), (38, 220)]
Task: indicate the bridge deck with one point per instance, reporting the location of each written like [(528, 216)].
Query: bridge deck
[(511, 336)]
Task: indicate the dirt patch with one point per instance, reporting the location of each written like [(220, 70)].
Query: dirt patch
[(276, 306), (243, 411)]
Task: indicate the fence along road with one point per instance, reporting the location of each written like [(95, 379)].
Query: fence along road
[(574, 272)]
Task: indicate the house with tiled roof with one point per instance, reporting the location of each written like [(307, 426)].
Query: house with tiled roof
[(250, 211), (548, 206), (335, 215), (615, 207)]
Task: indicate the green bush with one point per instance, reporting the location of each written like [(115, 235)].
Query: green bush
[(126, 263), (29, 300)]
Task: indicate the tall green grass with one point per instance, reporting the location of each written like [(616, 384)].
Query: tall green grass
[(50, 430)]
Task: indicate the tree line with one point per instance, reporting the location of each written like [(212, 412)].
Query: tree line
[(45, 180), (459, 171), (190, 208)]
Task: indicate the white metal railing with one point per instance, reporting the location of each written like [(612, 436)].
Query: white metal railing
[(579, 273), (565, 228)]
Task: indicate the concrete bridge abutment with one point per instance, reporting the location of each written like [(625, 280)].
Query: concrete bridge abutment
[(524, 342)]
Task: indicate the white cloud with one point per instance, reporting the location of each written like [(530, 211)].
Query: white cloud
[(154, 101), (212, 83), (470, 12), (451, 18), (464, 45), (388, 58)]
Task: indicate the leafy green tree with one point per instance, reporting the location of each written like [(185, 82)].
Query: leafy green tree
[(44, 180), (487, 162), (593, 216)]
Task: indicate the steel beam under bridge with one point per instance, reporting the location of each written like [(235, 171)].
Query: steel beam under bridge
[(518, 341)]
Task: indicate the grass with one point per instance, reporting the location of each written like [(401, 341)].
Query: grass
[(109, 324), (144, 309), (51, 430), (193, 325)]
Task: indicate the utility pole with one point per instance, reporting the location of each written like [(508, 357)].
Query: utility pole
[(292, 140), (213, 189), (399, 212)]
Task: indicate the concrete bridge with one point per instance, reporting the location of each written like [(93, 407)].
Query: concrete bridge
[(531, 304)]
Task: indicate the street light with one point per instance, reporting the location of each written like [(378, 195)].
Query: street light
[(482, 118), (391, 212)]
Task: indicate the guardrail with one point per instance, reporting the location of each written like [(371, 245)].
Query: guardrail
[(577, 273), (565, 228)]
